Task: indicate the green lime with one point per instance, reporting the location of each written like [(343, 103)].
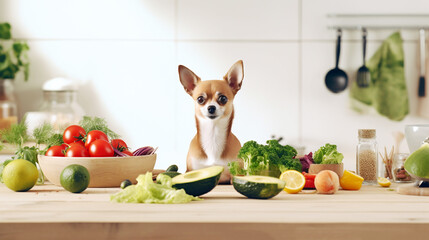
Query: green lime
[(20, 175), (74, 178)]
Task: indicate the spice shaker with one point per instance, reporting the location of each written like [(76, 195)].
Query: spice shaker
[(366, 155)]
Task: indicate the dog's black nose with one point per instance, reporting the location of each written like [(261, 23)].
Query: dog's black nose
[(211, 109)]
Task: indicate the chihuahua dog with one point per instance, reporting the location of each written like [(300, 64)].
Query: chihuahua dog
[(214, 143)]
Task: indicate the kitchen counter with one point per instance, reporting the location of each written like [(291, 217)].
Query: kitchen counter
[(49, 212)]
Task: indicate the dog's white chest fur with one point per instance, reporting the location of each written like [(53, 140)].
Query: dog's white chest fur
[(212, 135)]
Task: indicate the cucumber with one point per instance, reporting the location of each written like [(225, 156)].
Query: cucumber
[(260, 187), (172, 168), (198, 182)]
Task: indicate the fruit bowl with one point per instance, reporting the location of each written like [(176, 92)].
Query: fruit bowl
[(103, 171)]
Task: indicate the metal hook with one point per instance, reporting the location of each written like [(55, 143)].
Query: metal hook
[(339, 32)]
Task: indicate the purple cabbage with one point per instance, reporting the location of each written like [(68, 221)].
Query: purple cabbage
[(306, 161)]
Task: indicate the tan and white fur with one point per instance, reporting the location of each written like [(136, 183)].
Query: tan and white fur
[(214, 143)]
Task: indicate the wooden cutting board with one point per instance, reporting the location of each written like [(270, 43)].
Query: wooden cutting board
[(412, 189)]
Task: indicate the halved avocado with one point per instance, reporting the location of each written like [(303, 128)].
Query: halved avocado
[(198, 182), (260, 187), (171, 174)]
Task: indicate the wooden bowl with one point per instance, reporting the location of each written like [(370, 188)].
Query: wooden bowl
[(103, 171), (337, 168)]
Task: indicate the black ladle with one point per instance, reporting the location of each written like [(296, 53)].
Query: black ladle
[(336, 79)]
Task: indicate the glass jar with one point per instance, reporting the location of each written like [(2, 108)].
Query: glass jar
[(398, 171), (60, 103), (367, 156), (8, 106)]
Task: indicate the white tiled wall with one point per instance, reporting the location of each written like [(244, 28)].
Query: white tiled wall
[(125, 54)]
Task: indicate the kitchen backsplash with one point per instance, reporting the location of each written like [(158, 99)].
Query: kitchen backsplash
[(124, 54)]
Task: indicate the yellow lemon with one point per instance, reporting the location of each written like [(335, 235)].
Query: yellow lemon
[(384, 182), (20, 175), (350, 181), (295, 181)]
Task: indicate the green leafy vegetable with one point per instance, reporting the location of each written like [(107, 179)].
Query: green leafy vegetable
[(146, 191), (328, 154), (96, 123), (273, 158)]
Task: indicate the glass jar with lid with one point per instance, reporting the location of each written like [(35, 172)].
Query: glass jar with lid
[(366, 155), (60, 105), (400, 175)]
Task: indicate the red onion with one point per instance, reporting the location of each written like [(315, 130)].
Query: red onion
[(119, 153)]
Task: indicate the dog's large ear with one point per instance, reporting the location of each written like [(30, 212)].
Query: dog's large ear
[(235, 76), (188, 79)]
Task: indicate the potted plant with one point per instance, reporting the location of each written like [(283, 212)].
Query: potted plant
[(13, 59)]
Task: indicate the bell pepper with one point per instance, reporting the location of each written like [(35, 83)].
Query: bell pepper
[(309, 180)]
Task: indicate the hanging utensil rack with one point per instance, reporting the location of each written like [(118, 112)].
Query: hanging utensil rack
[(378, 21)]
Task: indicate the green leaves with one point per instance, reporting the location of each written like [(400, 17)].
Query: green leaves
[(95, 123), (328, 154), (258, 158), (14, 59), (16, 134), (45, 134), (5, 31)]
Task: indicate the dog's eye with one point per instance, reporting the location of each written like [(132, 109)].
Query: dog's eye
[(222, 99), (200, 100)]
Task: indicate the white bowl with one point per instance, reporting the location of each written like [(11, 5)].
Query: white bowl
[(103, 171), (415, 135)]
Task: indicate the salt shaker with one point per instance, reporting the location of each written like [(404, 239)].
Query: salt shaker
[(366, 155)]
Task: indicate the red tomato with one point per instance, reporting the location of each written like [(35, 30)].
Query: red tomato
[(55, 151), (309, 180), (95, 135), (77, 150), (119, 144), (101, 148), (64, 146), (80, 143), (127, 152), (73, 133)]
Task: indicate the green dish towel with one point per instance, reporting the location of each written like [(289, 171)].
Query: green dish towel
[(387, 92)]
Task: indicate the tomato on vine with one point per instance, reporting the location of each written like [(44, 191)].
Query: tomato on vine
[(95, 135), (101, 148), (74, 133), (119, 144), (77, 150), (55, 151)]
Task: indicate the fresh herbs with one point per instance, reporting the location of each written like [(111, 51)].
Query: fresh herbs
[(328, 154), (272, 158), (14, 58), (96, 123), (16, 134), (46, 135)]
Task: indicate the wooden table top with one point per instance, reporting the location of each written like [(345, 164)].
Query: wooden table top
[(372, 212)]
